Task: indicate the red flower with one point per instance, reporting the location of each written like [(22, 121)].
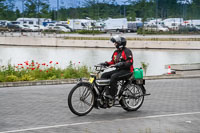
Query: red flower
[(36, 62), (26, 62), (27, 68), (22, 67), (50, 62), (47, 65), (56, 62), (79, 62), (44, 64), (16, 66), (40, 70), (47, 71), (33, 68)]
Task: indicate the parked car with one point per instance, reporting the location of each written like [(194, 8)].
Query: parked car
[(156, 28), (198, 27), (50, 26), (61, 28), (42, 28), (13, 27), (66, 26), (26, 28), (187, 28), (35, 28)]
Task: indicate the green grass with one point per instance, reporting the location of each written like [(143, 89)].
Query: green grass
[(93, 32), (32, 71)]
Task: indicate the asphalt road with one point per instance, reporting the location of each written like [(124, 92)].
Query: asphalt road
[(173, 107)]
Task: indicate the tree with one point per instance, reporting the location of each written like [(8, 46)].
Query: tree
[(17, 13), (37, 8), (10, 14), (2, 9), (195, 6)]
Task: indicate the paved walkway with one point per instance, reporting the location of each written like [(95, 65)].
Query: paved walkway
[(36, 34), (173, 107)]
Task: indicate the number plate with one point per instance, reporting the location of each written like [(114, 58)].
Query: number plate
[(91, 79)]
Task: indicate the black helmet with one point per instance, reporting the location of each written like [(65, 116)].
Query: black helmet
[(121, 41)]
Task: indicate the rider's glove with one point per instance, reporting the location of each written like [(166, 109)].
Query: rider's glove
[(119, 64), (104, 64)]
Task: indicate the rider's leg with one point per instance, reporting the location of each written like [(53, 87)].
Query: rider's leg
[(113, 81), (107, 75)]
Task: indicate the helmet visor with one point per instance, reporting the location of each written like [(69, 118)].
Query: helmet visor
[(113, 40)]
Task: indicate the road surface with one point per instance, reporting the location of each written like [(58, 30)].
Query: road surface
[(173, 107)]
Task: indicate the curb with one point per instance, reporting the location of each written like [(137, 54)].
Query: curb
[(73, 81), (170, 76), (41, 82)]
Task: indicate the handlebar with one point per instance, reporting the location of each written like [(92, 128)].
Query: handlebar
[(101, 68)]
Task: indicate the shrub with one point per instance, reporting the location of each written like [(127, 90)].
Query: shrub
[(26, 77), (2, 78), (145, 66), (45, 71), (11, 78), (89, 32)]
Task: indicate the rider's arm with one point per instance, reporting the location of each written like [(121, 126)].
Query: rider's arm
[(113, 59), (127, 59)]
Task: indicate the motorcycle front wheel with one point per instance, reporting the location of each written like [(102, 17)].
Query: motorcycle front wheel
[(81, 100), (132, 97)]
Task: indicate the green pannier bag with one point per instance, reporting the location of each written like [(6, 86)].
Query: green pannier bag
[(138, 73)]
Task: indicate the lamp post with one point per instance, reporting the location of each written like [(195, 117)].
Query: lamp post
[(23, 10), (125, 9), (156, 14), (38, 16), (57, 17)]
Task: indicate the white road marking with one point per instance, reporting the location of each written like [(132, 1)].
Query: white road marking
[(84, 123)]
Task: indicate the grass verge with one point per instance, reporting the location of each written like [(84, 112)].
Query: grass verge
[(33, 71)]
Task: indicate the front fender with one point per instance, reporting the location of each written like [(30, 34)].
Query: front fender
[(81, 83), (91, 86)]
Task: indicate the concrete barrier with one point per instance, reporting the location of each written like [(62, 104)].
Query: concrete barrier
[(185, 69), (61, 42)]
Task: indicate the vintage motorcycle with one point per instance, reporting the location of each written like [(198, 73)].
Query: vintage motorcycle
[(86, 95)]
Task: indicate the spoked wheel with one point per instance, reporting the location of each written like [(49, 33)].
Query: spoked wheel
[(81, 100), (133, 97)]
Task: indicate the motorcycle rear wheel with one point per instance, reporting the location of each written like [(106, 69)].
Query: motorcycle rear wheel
[(81, 100), (132, 97)]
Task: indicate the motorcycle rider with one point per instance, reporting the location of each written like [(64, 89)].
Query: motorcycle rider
[(122, 59)]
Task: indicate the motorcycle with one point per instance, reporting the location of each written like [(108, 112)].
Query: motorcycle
[(86, 95)]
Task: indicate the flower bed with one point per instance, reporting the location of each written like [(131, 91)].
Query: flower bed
[(32, 71)]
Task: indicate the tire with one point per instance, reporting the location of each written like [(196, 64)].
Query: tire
[(81, 96), (132, 97)]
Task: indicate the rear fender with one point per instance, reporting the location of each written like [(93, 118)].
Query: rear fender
[(141, 83)]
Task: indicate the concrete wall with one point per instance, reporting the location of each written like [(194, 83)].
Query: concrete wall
[(57, 42), (185, 69)]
